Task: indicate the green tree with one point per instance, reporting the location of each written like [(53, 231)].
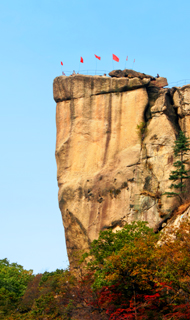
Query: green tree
[(178, 176), (134, 278), (13, 283), (110, 243)]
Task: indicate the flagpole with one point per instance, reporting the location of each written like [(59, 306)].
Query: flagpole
[(133, 63), (96, 66), (125, 61)]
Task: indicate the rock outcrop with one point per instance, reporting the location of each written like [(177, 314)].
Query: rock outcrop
[(171, 226), (110, 172)]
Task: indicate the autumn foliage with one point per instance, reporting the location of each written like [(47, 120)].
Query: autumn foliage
[(127, 276)]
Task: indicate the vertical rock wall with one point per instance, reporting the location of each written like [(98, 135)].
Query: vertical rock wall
[(108, 173)]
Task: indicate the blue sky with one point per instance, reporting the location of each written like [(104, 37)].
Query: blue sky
[(35, 36)]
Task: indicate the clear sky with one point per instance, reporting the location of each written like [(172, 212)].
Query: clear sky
[(35, 36)]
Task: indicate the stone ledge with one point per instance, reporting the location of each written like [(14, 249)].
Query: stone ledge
[(79, 86)]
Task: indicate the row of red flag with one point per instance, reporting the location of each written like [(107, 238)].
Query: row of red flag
[(114, 57)]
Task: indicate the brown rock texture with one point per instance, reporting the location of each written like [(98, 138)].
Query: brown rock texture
[(109, 173), (170, 227), (181, 98), (129, 73), (159, 82)]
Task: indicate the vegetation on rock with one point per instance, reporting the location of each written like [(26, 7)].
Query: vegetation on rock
[(142, 130), (178, 176)]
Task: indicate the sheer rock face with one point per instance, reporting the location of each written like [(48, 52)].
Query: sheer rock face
[(181, 99), (108, 173)]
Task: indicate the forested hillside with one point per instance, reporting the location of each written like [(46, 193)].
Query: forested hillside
[(125, 275)]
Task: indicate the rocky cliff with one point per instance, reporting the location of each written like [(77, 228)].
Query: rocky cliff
[(114, 150)]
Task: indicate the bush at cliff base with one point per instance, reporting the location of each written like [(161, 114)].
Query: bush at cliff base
[(139, 279), (13, 283), (129, 277)]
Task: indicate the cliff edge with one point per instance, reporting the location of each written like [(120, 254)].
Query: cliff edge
[(114, 151)]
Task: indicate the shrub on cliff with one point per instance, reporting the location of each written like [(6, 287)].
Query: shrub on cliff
[(142, 130), (178, 176)]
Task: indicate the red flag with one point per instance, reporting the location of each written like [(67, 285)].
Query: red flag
[(115, 57), (61, 63), (97, 57), (81, 59), (127, 58), (134, 61)]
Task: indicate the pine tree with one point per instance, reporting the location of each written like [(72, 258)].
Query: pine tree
[(178, 176)]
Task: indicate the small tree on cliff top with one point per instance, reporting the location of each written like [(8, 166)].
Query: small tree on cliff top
[(178, 176)]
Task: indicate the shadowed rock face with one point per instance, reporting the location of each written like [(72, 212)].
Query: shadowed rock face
[(108, 173)]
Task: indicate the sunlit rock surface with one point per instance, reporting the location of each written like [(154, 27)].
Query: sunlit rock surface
[(108, 172)]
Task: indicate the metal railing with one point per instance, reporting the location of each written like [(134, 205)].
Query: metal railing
[(87, 72), (179, 83)]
